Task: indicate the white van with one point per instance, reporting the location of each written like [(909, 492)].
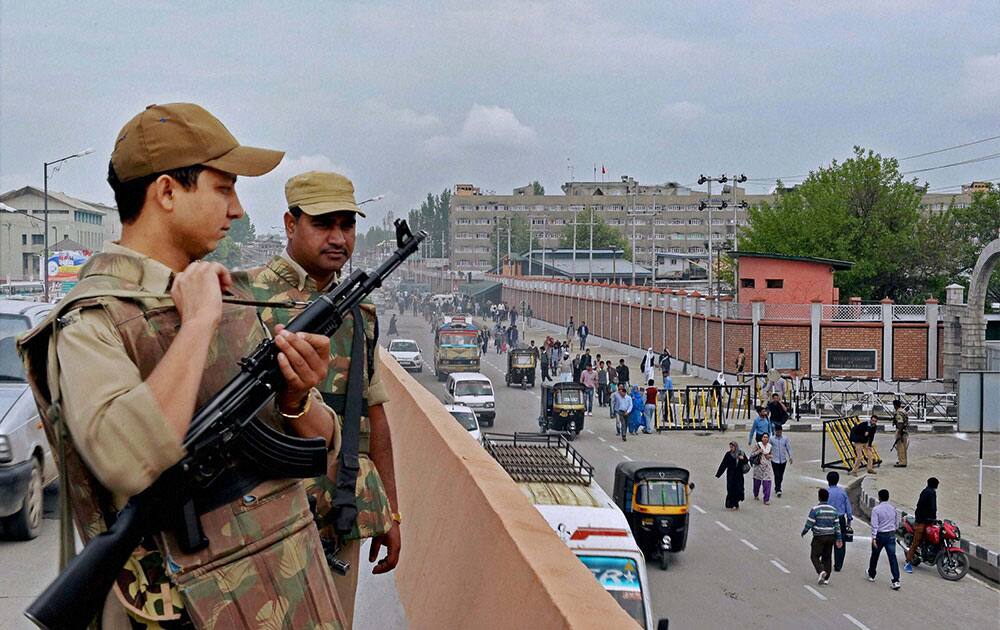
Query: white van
[(474, 390)]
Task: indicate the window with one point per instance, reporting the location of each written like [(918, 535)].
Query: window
[(775, 283), (747, 283), (37, 239), (24, 239), (783, 360)]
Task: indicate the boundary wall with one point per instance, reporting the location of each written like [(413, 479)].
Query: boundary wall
[(476, 553)]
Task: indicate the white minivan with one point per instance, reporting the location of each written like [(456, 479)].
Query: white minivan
[(475, 391)]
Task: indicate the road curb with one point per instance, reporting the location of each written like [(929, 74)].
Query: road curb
[(807, 426), (981, 559)]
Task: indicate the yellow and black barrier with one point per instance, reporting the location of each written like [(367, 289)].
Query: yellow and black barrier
[(703, 407), (838, 431)]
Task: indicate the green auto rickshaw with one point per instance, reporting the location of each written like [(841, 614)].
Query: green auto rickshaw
[(562, 408)]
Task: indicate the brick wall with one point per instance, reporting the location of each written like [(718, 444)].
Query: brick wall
[(738, 336), (854, 336), (714, 341), (909, 351), (633, 332), (940, 351), (683, 345), (785, 337), (698, 356), (670, 339), (658, 340)]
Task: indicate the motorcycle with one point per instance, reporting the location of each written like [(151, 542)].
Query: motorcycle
[(938, 546)]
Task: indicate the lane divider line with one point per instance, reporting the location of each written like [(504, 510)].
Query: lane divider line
[(627, 457), (601, 439), (749, 544), (723, 526), (780, 568), (856, 622), (815, 592), (613, 448), (813, 479), (589, 431), (697, 507)]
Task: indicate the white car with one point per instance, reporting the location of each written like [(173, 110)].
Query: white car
[(26, 463), (467, 418), (474, 390), (407, 354)]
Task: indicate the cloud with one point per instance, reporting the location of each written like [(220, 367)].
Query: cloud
[(264, 197), (486, 127), (979, 85), (682, 111), (405, 117)]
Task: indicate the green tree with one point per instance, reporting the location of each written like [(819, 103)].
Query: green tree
[(966, 231), (862, 211), (605, 236), (229, 250), (519, 236), (537, 188)]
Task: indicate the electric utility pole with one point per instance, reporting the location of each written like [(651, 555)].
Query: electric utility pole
[(710, 205)]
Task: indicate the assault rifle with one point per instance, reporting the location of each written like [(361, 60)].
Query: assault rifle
[(228, 451)]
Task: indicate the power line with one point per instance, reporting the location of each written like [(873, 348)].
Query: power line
[(982, 158), (957, 146)]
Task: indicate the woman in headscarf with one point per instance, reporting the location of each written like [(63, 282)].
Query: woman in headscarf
[(733, 463), (763, 472), (636, 419), (647, 365)]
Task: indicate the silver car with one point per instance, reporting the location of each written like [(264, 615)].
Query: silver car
[(26, 464)]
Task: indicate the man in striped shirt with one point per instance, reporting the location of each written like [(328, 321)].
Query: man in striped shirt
[(825, 525)]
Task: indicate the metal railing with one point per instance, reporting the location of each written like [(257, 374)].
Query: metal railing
[(909, 312), (853, 312), (795, 312)]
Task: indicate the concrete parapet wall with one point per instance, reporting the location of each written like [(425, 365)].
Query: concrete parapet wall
[(475, 553)]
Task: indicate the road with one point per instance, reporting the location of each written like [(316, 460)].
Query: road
[(749, 567)]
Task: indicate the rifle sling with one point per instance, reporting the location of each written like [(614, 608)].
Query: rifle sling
[(345, 508)]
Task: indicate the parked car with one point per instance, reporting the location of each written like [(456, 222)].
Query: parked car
[(474, 390), (467, 418), (407, 354), (26, 463)]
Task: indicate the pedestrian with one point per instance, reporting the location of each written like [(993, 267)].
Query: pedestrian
[(636, 420), (646, 365), (665, 364), (585, 360), (668, 388), (845, 515), (498, 339), (781, 456), (822, 520), (621, 407), (862, 435), (576, 369), (555, 356), (392, 324), (583, 332), (589, 380), (777, 411), (649, 410), (544, 359), (612, 387), (570, 330), (902, 424), (602, 384), (622, 370), (484, 337), (735, 465), (741, 363), (718, 387), (925, 514), (513, 334), (884, 537), (528, 315), (763, 473), (761, 425)]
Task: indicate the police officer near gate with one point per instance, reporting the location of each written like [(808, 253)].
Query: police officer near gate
[(124, 360), (357, 499)]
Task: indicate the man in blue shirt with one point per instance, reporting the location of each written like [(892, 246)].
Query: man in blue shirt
[(760, 426), (781, 456), (621, 404), (839, 500)]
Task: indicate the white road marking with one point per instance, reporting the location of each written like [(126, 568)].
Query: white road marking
[(815, 592), (601, 439), (780, 568), (627, 457), (813, 461), (749, 544), (697, 507), (787, 507), (856, 622), (812, 479), (961, 436), (988, 466), (589, 431), (723, 526), (613, 448)]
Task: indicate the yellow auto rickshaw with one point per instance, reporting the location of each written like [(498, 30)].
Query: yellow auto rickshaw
[(521, 367), (655, 498)]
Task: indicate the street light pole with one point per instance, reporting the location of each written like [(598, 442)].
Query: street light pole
[(590, 262), (722, 179), (45, 217), (574, 244)]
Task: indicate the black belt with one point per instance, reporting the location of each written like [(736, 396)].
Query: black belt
[(338, 402)]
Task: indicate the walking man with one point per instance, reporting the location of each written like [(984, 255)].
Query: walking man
[(777, 411), (545, 364), (741, 363), (925, 514), (862, 435), (589, 380), (902, 424), (781, 457), (622, 370), (621, 405), (665, 365), (840, 502), (822, 520), (761, 425), (649, 411), (602, 384), (583, 331), (884, 537), (570, 330)]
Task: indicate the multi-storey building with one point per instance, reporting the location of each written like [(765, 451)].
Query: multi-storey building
[(22, 239), (657, 220)]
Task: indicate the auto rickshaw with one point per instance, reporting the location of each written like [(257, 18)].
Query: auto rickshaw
[(521, 367), (655, 498), (562, 408)]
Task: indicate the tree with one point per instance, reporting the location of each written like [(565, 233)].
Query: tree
[(862, 211), (434, 216), (536, 188), (229, 250), (605, 236), (970, 229), (520, 235)]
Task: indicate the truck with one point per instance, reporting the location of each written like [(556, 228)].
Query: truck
[(456, 346), (559, 482)]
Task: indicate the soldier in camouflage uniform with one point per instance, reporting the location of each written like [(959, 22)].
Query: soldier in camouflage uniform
[(320, 225), (145, 338)]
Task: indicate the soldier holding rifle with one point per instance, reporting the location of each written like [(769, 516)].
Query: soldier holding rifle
[(124, 361)]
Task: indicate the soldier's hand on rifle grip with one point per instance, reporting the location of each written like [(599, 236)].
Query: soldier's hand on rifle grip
[(303, 359), (197, 292)]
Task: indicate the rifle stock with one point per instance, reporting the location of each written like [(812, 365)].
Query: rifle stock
[(223, 430)]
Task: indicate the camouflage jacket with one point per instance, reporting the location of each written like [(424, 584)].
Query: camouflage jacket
[(222, 585), (281, 279)]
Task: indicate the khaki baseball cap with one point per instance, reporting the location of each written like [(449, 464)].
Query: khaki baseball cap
[(175, 135), (319, 192)]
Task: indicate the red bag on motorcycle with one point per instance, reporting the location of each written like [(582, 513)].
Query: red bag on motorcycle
[(932, 534)]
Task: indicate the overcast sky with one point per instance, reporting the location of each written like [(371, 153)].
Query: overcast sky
[(408, 100)]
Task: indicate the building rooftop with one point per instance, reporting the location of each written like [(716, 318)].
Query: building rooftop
[(838, 265)]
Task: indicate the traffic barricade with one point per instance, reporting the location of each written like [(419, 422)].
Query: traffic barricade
[(838, 431), (703, 407)]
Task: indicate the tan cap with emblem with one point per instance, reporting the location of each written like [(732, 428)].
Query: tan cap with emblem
[(175, 135), (319, 192)]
